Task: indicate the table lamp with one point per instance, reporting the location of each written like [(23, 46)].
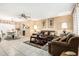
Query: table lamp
[(35, 27), (64, 27)]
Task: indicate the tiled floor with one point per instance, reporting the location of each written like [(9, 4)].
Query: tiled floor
[(18, 48)]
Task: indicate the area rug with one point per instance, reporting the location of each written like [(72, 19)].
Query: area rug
[(45, 47)]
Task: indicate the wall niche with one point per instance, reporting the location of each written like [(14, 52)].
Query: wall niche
[(44, 23), (51, 22)]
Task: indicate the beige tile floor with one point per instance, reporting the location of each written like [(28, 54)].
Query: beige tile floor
[(18, 48)]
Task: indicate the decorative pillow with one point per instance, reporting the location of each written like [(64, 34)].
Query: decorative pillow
[(63, 39), (52, 33), (69, 36)]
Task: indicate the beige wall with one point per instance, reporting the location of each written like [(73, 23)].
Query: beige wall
[(59, 20), (31, 25), (56, 24)]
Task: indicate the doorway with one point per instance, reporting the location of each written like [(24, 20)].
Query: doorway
[(23, 32)]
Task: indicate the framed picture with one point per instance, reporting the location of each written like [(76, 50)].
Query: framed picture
[(44, 23), (51, 22)]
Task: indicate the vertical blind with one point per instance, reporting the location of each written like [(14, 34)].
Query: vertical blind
[(76, 20)]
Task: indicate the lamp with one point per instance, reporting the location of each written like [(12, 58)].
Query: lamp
[(64, 27), (35, 27)]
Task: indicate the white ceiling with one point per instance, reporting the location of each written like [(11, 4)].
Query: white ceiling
[(35, 10)]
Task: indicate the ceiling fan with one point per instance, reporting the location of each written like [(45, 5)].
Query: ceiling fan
[(23, 16)]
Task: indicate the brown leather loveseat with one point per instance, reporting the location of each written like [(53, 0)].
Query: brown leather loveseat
[(68, 43)]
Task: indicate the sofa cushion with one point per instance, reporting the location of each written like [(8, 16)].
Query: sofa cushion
[(63, 39), (69, 36), (46, 33)]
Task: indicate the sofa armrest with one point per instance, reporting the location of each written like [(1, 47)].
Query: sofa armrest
[(56, 48), (62, 44), (56, 39)]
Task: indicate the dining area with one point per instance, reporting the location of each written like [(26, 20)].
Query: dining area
[(9, 35)]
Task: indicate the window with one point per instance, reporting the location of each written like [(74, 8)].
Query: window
[(76, 20), (6, 27)]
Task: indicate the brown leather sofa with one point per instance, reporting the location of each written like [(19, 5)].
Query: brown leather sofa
[(42, 38), (68, 43)]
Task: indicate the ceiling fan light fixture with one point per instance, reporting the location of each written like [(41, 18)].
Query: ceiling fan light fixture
[(24, 16)]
